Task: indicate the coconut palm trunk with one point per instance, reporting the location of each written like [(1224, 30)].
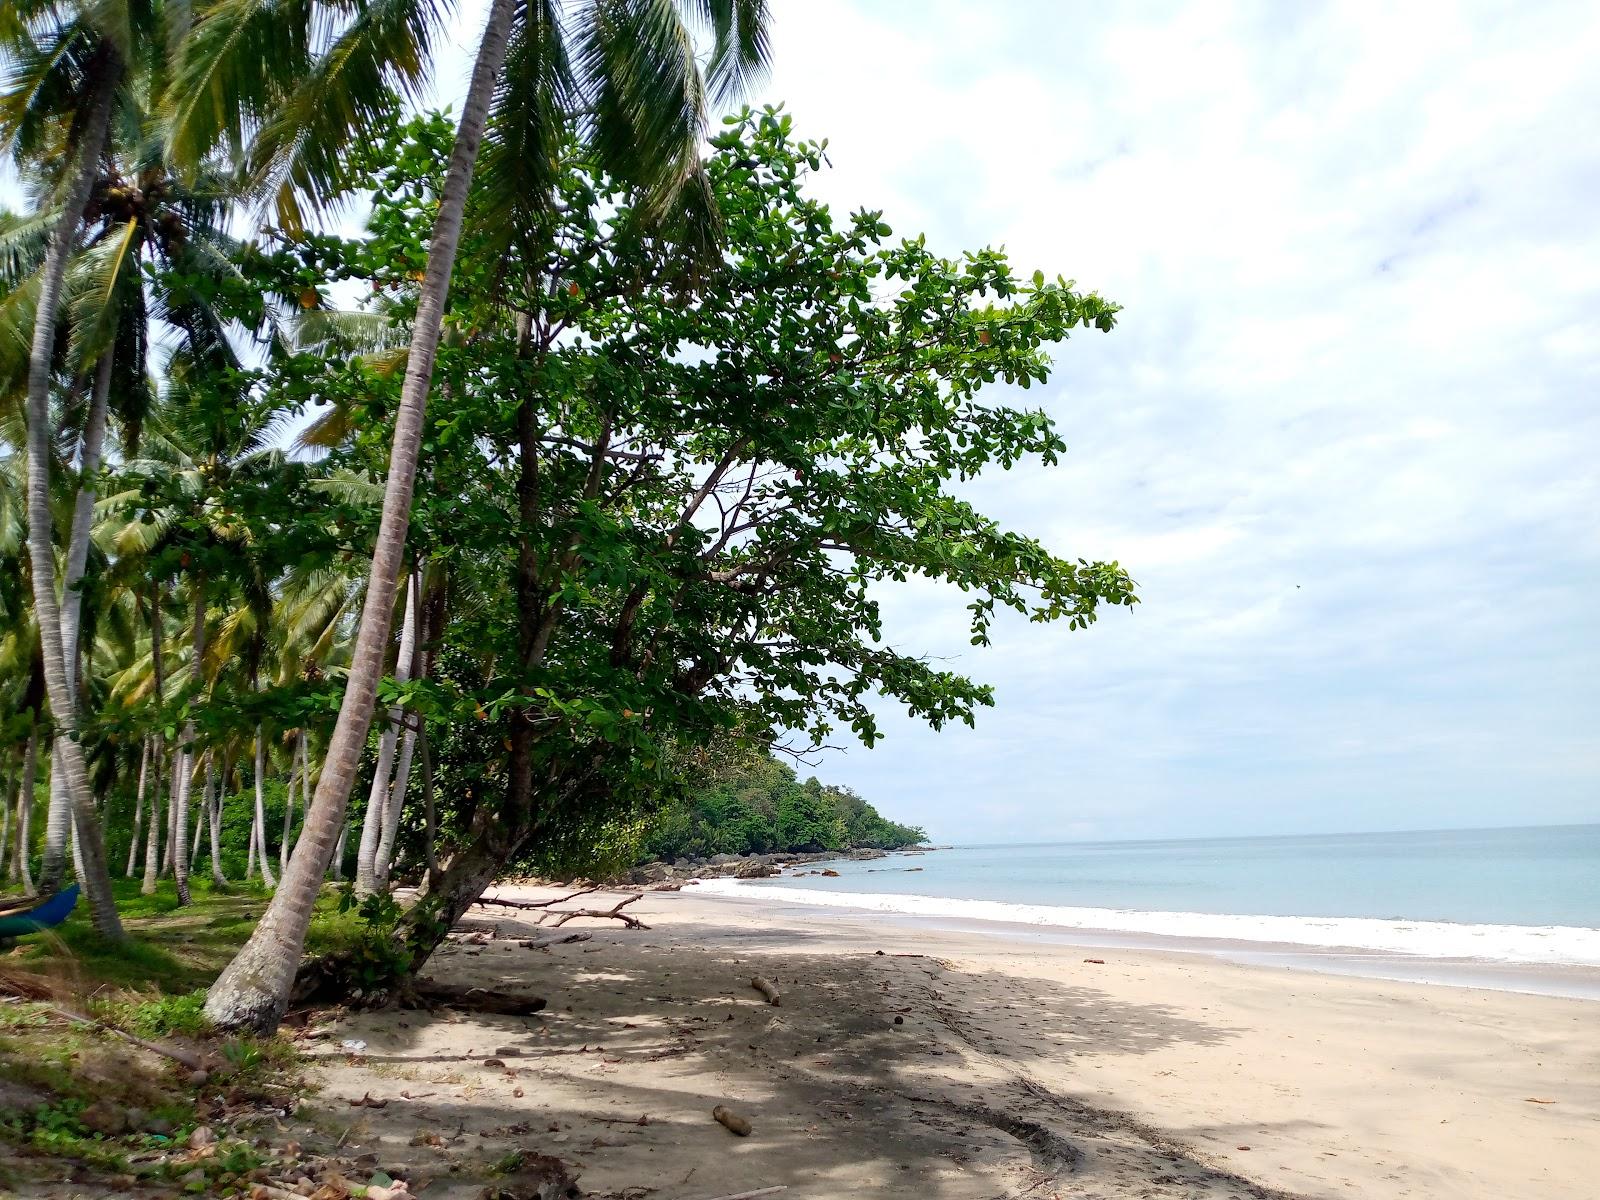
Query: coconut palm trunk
[(41, 553), (23, 850), (430, 831), (202, 815), (6, 805), (336, 868), (253, 991), (385, 799), (297, 777), (261, 807), (213, 801), (58, 822), (158, 677), (138, 808), (416, 662), (394, 805), (183, 779)]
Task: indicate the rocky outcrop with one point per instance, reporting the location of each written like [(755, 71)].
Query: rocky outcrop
[(738, 866)]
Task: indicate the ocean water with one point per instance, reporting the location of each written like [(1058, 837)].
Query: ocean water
[(1522, 896)]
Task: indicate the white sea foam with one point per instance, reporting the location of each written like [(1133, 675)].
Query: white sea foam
[(1548, 945)]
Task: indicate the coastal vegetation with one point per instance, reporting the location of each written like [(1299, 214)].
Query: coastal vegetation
[(757, 805), (509, 526)]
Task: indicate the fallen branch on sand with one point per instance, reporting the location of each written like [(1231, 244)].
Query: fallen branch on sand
[(547, 908), (766, 1191), (531, 904), (192, 1061), (614, 913)]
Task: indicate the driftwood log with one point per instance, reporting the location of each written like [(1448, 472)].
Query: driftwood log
[(767, 988), (546, 943), (478, 999), (731, 1121)]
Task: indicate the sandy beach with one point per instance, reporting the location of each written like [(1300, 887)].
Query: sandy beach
[(922, 1063)]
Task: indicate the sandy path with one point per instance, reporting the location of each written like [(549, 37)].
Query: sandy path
[(1017, 1070)]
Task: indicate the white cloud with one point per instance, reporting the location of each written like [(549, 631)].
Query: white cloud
[(1343, 436)]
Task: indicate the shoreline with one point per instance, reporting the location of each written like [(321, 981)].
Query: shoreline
[(919, 1064), (1566, 980)]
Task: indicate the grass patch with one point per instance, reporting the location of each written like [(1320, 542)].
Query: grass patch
[(168, 948), (58, 1080)]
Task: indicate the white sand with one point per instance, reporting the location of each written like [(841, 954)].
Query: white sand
[(1019, 1070)]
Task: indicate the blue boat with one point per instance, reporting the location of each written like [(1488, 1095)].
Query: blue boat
[(43, 914)]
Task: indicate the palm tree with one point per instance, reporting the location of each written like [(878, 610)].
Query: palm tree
[(630, 69), (67, 72)]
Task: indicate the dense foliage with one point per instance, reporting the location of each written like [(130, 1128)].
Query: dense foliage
[(756, 804)]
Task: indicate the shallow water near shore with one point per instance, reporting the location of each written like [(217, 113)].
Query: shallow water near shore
[(1517, 909)]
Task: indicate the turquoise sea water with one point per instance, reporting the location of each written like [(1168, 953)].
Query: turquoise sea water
[(1529, 895)]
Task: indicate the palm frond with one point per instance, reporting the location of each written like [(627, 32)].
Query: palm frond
[(23, 241), (643, 96), (371, 67), (518, 161), (742, 47), (343, 331), (229, 75), (101, 278)]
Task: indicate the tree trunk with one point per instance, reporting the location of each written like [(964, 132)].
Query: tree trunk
[(337, 869), (203, 817), (58, 821), (261, 807), (415, 662), (138, 808), (214, 811), (392, 809), (430, 829), (172, 813), (186, 754), (5, 820), (24, 846), (381, 796), (41, 552), (152, 837), (296, 760), (253, 991), (152, 846)]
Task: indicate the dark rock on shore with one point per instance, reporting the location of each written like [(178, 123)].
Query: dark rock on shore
[(745, 866)]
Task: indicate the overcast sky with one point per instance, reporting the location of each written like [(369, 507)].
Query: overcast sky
[(1345, 436)]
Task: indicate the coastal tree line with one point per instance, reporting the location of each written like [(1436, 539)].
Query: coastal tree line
[(586, 455)]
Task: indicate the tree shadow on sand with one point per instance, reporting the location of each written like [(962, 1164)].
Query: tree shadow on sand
[(878, 1074)]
